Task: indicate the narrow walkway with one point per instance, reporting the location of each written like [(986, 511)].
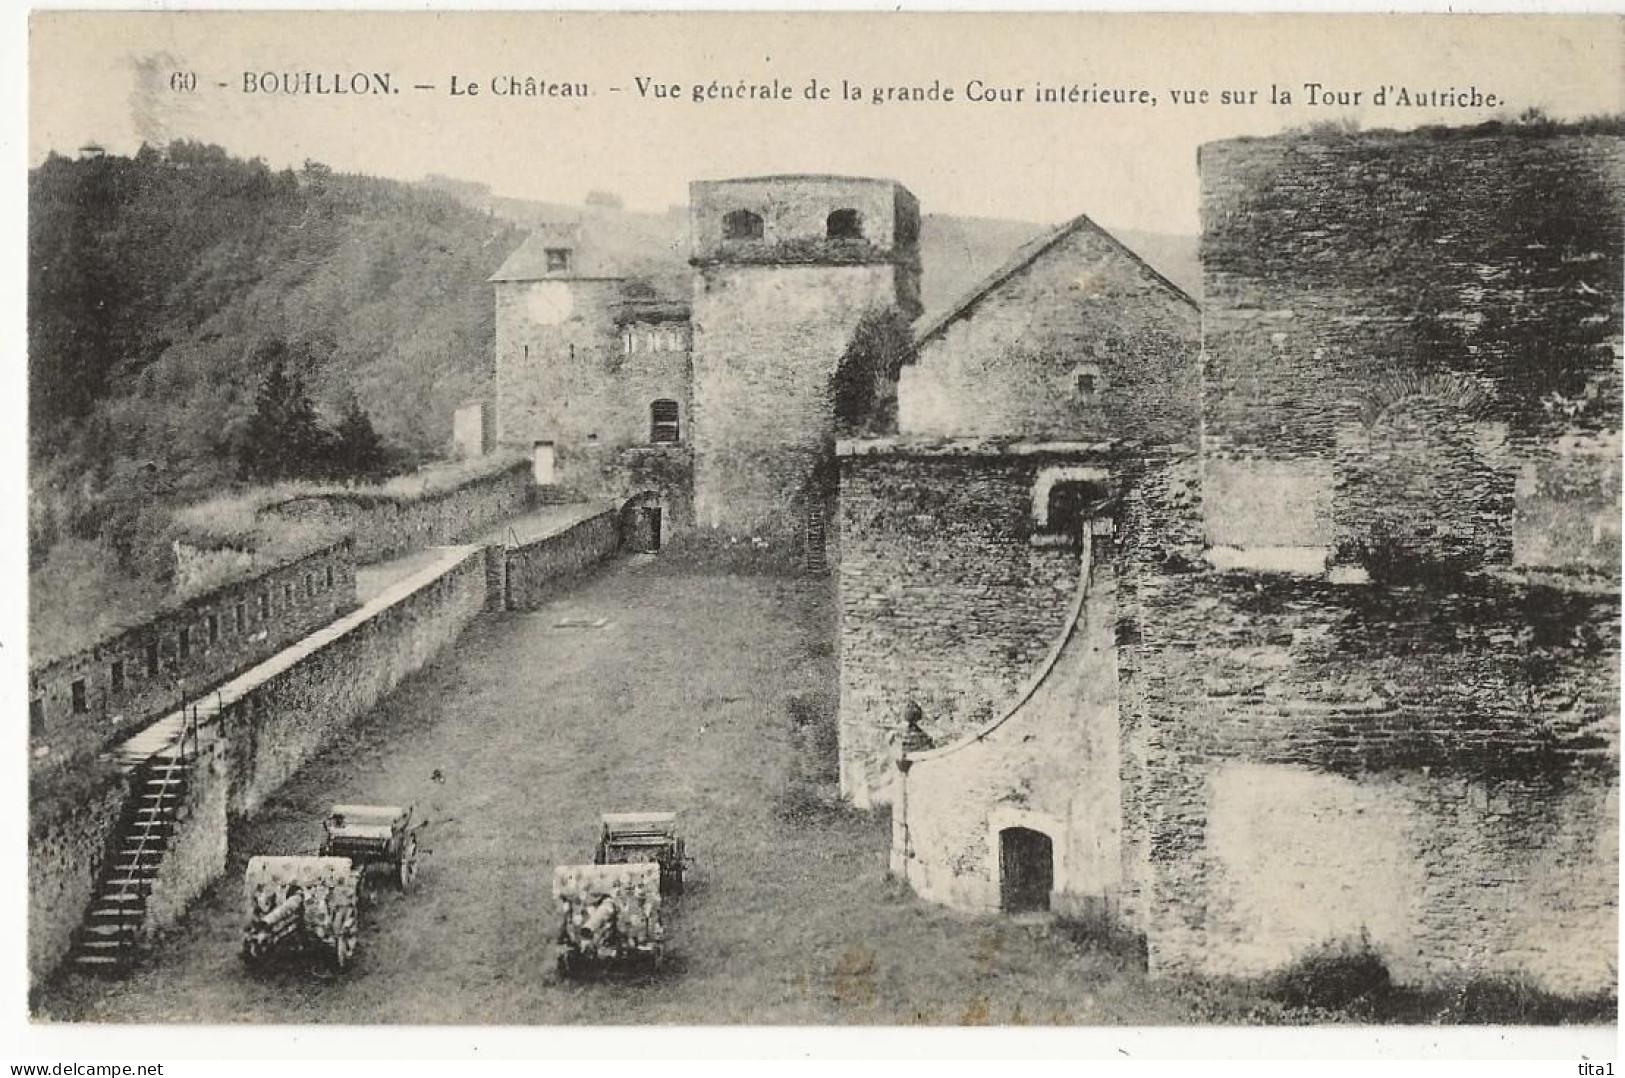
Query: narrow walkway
[(163, 736), (370, 580)]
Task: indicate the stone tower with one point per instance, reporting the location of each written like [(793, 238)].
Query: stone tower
[(786, 266)]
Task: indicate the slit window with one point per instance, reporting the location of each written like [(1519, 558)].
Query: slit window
[(242, 616), (742, 225), (117, 675), (265, 605), (81, 700), (184, 643), (844, 225), (152, 657), (663, 422), (214, 628), (329, 578)]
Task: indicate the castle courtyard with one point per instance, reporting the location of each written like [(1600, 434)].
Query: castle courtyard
[(668, 686)]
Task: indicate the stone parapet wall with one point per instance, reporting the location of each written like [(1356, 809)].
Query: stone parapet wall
[(385, 526), (181, 654), (291, 711), (535, 571)]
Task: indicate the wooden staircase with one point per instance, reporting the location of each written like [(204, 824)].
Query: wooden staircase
[(107, 941)]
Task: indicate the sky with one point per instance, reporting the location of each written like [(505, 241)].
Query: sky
[(106, 77)]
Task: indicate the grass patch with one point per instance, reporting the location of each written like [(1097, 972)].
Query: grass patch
[(1349, 980), (707, 552)]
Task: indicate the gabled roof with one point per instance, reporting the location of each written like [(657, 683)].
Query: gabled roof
[(1026, 255), (529, 261)]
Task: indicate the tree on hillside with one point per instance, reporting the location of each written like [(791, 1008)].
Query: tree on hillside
[(283, 439), (863, 387), (357, 449)]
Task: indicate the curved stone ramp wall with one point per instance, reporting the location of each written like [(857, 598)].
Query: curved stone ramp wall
[(1049, 764)]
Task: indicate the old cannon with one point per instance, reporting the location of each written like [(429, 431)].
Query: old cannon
[(631, 837), (609, 914), (374, 836), (301, 904)]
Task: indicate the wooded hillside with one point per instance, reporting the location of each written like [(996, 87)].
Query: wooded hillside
[(162, 287)]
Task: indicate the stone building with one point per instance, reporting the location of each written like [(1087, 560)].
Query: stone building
[(712, 408), (1338, 663), (1075, 336)]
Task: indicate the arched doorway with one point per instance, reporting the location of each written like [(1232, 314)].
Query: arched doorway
[(642, 524), (1026, 870)]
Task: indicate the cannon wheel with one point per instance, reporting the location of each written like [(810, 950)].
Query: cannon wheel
[(407, 871), (364, 887), (344, 937), (253, 953)]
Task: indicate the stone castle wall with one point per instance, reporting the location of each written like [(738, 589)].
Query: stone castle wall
[(946, 597), (70, 844), (148, 670), (953, 802), (575, 370), (1085, 308), (1445, 309), (766, 340), (387, 526), (534, 572), (291, 712), (1432, 766)]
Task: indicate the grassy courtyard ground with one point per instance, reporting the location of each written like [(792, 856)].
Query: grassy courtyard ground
[(648, 687)]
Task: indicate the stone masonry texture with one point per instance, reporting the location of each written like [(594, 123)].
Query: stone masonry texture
[(1444, 307), (535, 572), (772, 317), (386, 527), (259, 741), (1084, 308), (1412, 347), (946, 600), (70, 843), (146, 671), (581, 367)]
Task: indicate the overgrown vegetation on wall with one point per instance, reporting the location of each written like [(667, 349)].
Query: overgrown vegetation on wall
[(863, 387)]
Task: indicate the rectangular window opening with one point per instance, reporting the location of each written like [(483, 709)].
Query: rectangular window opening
[(117, 675), (81, 699)]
